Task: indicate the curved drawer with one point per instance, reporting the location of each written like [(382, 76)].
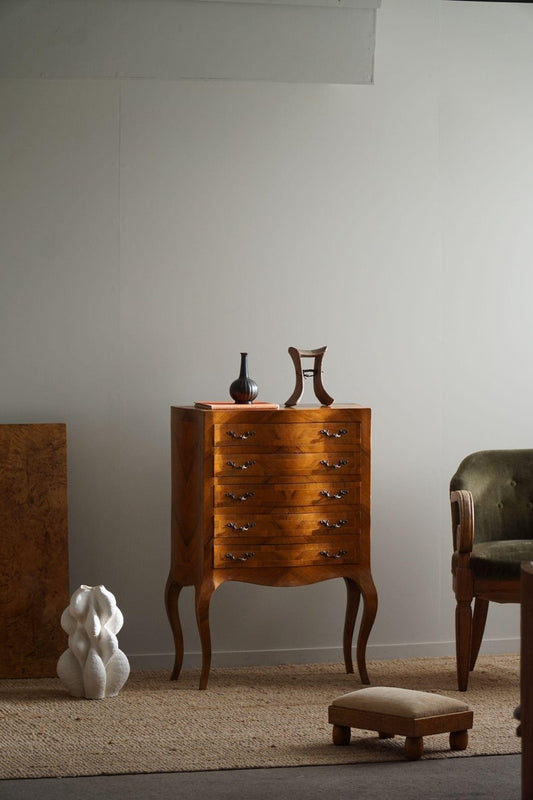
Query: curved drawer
[(288, 496), (324, 553), (311, 466), (239, 526), (301, 436)]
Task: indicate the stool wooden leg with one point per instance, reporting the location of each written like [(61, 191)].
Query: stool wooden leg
[(414, 747), (458, 740), (341, 735)]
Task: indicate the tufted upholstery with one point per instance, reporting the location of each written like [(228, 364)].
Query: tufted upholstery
[(492, 524), (501, 483)]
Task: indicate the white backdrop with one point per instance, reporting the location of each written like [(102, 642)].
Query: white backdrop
[(153, 229)]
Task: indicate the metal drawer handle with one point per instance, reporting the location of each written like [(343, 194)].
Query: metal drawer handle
[(340, 494), (245, 435), (329, 524), (245, 527), (246, 464), (245, 496), (338, 554), (338, 465), (244, 557), (341, 432)]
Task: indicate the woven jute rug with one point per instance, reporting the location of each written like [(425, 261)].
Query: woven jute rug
[(247, 717)]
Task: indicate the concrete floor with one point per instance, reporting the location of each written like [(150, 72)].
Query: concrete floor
[(486, 778)]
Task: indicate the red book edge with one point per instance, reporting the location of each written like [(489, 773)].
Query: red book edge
[(214, 404)]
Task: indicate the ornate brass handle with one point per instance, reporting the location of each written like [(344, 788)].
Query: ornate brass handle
[(244, 557), (245, 496), (340, 494), (246, 464), (245, 527), (245, 435), (329, 524), (338, 554), (338, 465), (341, 432)]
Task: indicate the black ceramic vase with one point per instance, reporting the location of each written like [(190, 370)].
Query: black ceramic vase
[(243, 389)]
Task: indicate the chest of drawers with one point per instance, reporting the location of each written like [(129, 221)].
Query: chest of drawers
[(273, 497)]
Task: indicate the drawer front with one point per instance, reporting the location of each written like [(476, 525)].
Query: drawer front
[(244, 527), (288, 496), (299, 437), (323, 553), (311, 466)]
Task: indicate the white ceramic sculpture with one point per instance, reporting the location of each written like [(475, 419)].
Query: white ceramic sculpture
[(93, 666)]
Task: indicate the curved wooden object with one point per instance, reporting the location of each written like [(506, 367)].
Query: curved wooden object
[(317, 355), (172, 593)]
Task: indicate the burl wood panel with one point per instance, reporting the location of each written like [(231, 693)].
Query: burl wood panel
[(34, 586)]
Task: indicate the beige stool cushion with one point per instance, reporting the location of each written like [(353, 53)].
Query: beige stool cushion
[(400, 702)]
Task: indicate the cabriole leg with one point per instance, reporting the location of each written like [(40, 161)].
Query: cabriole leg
[(370, 607), (172, 592), (204, 593), (353, 595)]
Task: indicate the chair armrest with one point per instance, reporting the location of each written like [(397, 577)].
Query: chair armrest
[(462, 520)]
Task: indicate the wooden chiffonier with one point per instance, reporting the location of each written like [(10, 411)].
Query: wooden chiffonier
[(273, 497)]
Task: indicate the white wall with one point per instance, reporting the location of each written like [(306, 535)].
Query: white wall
[(152, 229), (486, 129)]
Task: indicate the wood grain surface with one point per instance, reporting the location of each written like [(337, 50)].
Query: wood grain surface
[(34, 586)]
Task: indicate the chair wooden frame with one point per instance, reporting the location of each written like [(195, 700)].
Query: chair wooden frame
[(470, 626), (526, 679)]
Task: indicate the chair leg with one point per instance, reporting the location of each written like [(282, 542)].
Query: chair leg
[(463, 641), (481, 608)]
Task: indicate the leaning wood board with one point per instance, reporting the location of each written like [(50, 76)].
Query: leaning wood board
[(34, 587)]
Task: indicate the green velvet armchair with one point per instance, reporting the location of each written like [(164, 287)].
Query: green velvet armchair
[(492, 526)]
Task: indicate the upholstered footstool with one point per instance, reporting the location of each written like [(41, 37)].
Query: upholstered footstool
[(405, 712)]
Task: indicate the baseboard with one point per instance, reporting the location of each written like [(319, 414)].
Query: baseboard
[(315, 655)]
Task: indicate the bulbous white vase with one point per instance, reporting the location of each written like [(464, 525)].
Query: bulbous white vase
[(93, 666)]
